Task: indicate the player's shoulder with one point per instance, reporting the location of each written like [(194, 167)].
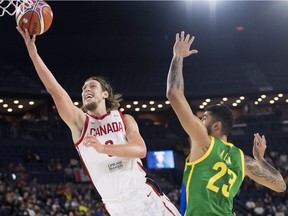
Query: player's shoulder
[(227, 144), (128, 117), (129, 120)]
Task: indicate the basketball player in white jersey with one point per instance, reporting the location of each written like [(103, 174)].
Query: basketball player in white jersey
[(109, 144)]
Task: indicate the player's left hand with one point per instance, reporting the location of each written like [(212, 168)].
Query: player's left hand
[(259, 146), (92, 141)]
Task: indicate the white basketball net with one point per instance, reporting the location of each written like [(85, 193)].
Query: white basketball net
[(10, 6)]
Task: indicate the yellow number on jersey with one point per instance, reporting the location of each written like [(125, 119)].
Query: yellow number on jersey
[(222, 171)]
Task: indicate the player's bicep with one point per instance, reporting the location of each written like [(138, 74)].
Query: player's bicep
[(252, 168), (132, 131), (190, 123), (68, 112)]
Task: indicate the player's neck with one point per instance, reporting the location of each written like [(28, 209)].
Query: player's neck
[(220, 136), (223, 138), (98, 112)]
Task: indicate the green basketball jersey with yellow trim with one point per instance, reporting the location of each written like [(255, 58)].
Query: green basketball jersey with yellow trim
[(211, 182)]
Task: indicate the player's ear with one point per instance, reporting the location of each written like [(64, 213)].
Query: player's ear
[(217, 126), (105, 94)]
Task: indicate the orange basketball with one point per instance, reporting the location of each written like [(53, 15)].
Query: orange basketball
[(34, 15)]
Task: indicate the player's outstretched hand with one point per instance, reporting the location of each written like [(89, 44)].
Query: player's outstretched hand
[(30, 42), (259, 146), (182, 45)]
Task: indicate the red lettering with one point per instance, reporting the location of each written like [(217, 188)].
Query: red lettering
[(120, 127), (109, 128), (92, 131), (97, 132), (103, 130), (115, 126), (106, 129)]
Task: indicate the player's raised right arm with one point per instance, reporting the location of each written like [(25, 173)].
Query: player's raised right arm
[(175, 92), (67, 110)]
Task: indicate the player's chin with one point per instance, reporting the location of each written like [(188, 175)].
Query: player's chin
[(90, 106)]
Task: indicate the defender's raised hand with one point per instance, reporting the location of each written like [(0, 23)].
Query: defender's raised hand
[(182, 45), (259, 146)]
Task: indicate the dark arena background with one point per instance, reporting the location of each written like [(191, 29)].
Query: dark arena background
[(242, 62)]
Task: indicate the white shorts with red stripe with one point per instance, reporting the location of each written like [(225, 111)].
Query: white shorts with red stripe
[(144, 202)]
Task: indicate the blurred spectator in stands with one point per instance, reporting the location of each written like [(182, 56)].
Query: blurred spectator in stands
[(28, 117), (7, 205), (51, 164), (22, 210), (58, 165), (281, 210), (33, 183), (83, 208), (31, 157), (250, 205), (174, 196), (80, 175), (67, 191), (68, 174), (20, 168), (74, 163), (48, 204), (99, 210), (56, 206), (268, 203), (25, 196), (30, 209), (59, 191), (283, 161), (74, 202), (38, 210), (21, 180), (10, 170), (259, 209)]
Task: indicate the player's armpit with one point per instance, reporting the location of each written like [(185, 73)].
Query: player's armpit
[(265, 174)]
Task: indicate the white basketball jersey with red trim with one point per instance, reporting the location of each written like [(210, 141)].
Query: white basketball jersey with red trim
[(112, 176)]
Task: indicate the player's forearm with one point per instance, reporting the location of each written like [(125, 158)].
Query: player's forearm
[(273, 176), (44, 74), (263, 173), (125, 150), (175, 76)]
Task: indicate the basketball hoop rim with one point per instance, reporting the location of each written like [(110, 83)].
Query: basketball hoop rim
[(10, 7)]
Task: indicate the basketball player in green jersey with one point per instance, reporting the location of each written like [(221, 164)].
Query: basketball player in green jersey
[(214, 169)]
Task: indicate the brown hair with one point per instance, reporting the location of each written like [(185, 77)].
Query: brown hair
[(113, 100), (223, 114)]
